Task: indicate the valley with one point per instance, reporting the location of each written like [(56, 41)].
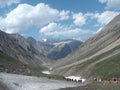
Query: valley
[(61, 64)]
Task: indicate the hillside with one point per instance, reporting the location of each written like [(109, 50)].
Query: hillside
[(97, 52), (11, 65), (17, 47)]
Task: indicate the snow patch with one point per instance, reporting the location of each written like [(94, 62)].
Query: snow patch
[(46, 72)]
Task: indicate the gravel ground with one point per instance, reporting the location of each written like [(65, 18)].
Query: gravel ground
[(3, 86), (21, 82)]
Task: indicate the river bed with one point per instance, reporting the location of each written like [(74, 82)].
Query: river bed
[(22, 82)]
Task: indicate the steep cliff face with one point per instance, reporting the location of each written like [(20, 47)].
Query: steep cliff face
[(96, 49)]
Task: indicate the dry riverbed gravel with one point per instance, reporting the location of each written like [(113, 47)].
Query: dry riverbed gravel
[(21, 82)]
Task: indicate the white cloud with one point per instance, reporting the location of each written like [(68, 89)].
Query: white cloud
[(4, 3), (1, 23), (79, 19), (64, 15), (50, 28), (56, 30), (102, 1), (105, 17), (26, 15), (111, 4)]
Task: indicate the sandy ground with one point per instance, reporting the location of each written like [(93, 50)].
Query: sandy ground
[(21, 82)]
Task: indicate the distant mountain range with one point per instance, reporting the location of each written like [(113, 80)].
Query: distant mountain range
[(55, 49), (63, 48), (97, 56)]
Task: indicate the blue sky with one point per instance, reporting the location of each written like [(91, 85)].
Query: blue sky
[(64, 19)]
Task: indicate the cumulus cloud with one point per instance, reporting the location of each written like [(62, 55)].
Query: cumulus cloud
[(64, 15), (102, 18), (111, 4), (26, 15), (105, 17), (4, 3), (56, 30), (79, 19)]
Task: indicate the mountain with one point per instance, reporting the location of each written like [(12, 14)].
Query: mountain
[(16, 46), (54, 49), (63, 48), (98, 56), (42, 47)]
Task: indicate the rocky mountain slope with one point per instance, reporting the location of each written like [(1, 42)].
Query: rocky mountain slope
[(99, 50), (11, 65), (63, 48), (16, 46), (42, 47)]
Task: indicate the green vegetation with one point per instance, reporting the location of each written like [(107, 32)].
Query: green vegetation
[(49, 76), (52, 76), (108, 69), (8, 58), (97, 86)]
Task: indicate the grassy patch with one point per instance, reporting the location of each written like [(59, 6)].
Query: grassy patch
[(8, 58), (56, 77), (108, 69), (52, 76)]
